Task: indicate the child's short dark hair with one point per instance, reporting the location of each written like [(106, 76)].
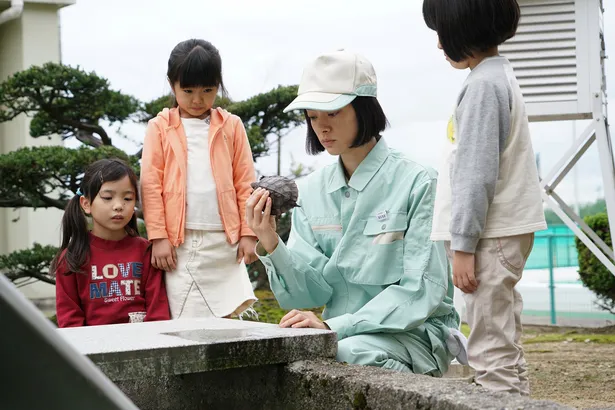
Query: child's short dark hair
[(468, 26), (370, 118), (196, 63)]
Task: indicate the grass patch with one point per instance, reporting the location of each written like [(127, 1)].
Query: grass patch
[(268, 309), (571, 337), (540, 335)]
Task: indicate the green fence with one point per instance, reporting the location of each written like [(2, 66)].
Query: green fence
[(563, 248)]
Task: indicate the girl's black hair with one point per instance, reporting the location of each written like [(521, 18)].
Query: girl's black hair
[(195, 63), (468, 26), (370, 118), (75, 248)]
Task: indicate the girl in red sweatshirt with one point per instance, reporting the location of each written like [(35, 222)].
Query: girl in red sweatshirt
[(105, 274)]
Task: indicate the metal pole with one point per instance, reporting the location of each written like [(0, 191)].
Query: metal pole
[(551, 280), (568, 246), (575, 175)]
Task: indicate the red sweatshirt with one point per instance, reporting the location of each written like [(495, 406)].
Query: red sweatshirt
[(118, 279)]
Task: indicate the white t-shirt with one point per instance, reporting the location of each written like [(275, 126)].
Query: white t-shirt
[(201, 199)]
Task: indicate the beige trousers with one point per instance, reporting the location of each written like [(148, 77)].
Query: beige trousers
[(494, 314)]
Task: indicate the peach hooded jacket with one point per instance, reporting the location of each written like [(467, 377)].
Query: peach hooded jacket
[(164, 167)]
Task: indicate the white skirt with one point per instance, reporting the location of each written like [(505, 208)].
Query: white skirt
[(208, 281)]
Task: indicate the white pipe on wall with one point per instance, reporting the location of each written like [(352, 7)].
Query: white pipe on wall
[(13, 12)]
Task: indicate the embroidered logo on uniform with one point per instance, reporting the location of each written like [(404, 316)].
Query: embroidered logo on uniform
[(382, 216), (450, 130)]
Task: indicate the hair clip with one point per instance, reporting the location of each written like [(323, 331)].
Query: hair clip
[(78, 193)]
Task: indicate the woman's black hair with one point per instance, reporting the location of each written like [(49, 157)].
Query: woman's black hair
[(468, 26), (75, 248), (195, 63), (371, 121)]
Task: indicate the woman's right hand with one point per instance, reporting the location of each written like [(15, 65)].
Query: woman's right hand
[(164, 256), (259, 219)]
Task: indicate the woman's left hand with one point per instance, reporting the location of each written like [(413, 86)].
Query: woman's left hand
[(297, 318), (260, 220), (247, 250)]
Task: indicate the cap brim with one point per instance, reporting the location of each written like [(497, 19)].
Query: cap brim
[(320, 101)]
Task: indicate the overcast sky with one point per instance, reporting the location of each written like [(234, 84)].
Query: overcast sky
[(267, 42)]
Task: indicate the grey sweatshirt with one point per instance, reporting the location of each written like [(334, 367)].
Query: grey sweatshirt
[(483, 126), (488, 183)]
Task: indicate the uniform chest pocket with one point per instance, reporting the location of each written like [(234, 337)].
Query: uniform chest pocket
[(327, 234), (387, 231), (383, 245)]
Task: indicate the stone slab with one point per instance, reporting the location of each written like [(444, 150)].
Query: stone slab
[(250, 388), (175, 347), (327, 385)]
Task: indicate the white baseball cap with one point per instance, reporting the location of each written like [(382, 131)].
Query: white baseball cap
[(333, 80)]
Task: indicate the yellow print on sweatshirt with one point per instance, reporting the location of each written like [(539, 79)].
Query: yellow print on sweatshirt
[(450, 130)]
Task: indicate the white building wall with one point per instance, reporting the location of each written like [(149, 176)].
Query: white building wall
[(32, 39)]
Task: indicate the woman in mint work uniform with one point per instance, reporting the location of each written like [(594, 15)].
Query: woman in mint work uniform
[(359, 243)]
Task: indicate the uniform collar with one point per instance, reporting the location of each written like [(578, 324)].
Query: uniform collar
[(364, 172)]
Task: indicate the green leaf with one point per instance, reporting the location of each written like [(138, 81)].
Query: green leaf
[(263, 116), (29, 263), (594, 275), (66, 101), (48, 176)]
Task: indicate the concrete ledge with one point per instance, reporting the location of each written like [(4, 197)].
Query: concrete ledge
[(324, 384), (154, 349), (252, 388), (320, 384), (221, 363)]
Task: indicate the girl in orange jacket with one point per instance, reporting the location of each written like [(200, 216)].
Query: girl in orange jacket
[(196, 172)]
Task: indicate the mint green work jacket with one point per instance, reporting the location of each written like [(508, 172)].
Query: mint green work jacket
[(362, 250)]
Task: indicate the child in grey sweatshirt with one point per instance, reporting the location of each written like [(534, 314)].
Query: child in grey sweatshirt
[(488, 202)]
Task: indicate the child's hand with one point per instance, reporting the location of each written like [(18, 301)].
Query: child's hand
[(247, 250), (259, 219), (164, 256), (463, 272)]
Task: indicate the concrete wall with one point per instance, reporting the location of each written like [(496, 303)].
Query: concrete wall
[(233, 364), (318, 384), (32, 39)]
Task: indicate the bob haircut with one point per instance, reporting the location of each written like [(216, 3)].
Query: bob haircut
[(195, 63), (371, 122), (468, 26)]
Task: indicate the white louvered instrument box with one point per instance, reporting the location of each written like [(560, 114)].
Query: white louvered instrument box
[(558, 55)]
